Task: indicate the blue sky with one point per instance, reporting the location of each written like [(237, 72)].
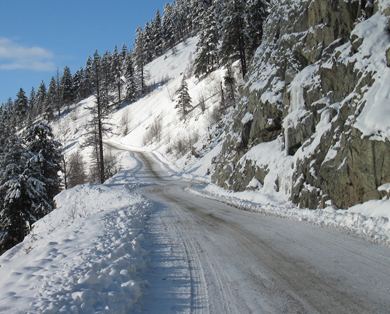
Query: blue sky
[(37, 37)]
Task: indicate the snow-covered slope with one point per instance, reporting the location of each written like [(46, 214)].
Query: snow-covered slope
[(133, 122), (85, 254)]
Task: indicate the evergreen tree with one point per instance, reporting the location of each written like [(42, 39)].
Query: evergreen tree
[(207, 47), (168, 27), (98, 124), (107, 79), (9, 113), (233, 34), (116, 68), (182, 25), (183, 100), (33, 103), (41, 97), (88, 80), (124, 54), (140, 61), (67, 87), (255, 15), (21, 105), (41, 143), (52, 100), (21, 190), (14, 203), (131, 87), (157, 35), (148, 38), (230, 82), (77, 84)]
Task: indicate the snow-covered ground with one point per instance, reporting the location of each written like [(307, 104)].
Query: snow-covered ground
[(86, 256)]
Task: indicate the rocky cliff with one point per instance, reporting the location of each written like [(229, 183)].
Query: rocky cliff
[(313, 122)]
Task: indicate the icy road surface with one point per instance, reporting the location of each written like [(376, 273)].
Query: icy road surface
[(208, 257)]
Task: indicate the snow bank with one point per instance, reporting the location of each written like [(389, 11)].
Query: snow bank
[(85, 256), (370, 220)]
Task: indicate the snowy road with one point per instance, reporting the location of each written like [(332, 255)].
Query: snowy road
[(208, 257)]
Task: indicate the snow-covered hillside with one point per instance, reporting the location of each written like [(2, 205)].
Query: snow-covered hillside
[(133, 122)]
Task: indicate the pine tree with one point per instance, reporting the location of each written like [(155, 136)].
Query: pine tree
[(52, 100), (33, 104), (168, 27), (98, 124), (77, 84), (131, 87), (183, 100), (88, 80), (255, 15), (41, 143), (182, 25), (107, 80), (67, 87), (198, 9), (157, 35), (21, 105), (148, 38), (116, 72), (230, 82), (207, 48), (124, 54), (140, 61), (233, 34), (14, 204), (21, 190), (41, 97)]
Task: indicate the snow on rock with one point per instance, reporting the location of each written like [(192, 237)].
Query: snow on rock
[(385, 188), (85, 256), (247, 118), (254, 184), (375, 116)]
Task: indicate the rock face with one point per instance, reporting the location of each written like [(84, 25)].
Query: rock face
[(313, 136), (388, 56)]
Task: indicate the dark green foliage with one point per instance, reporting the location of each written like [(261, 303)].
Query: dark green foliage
[(29, 180), (21, 105), (183, 100), (208, 56)]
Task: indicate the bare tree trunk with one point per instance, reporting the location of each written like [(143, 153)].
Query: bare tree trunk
[(100, 128), (119, 92), (142, 81), (242, 56), (65, 172)]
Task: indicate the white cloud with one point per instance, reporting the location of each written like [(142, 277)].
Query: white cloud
[(14, 56)]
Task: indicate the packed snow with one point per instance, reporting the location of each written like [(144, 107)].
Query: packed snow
[(85, 256)]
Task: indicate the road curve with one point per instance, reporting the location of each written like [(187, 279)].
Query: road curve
[(242, 262)]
